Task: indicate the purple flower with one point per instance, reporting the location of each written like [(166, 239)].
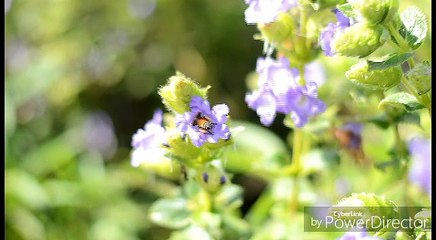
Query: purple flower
[(148, 142), (275, 78), (303, 103), (315, 72), (279, 92), (420, 169), (358, 235), (203, 124), (329, 32), (266, 11)]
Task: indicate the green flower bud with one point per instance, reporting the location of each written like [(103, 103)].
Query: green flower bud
[(419, 77), (211, 178), (177, 93), (278, 30), (359, 40), (374, 79), (375, 11)]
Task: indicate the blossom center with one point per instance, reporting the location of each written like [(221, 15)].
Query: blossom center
[(303, 101), (204, 123)]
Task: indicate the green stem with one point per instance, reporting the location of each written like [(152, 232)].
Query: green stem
[(302, 80), (398, 38), (411, 63), (398, 143), (394, 45), (296, 165), (409, 87), (423, 99)]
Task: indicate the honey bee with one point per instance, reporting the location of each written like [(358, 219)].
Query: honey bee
[(204, 123), (352, 143)]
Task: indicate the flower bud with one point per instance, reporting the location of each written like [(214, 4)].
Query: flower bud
[(375, 11), (212, 178), (359, 40), (419, 77), (177, 93), (374, 79)]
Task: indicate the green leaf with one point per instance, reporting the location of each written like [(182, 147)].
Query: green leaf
[(410, 118), (230, 197), (381, 121), (171, 213), (234, 225), (414, 26), (50, 156), (192, 232), (25, 188), (388, 61), (402, 100), (420, 77), (347, 10), (256, 148)]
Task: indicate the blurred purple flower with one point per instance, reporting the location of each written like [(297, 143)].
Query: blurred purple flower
[(148, 142), (303, 103), (420, 170), (358, 235), (98, 132), (266, 11), (329, 32), (315, 72), (216, 119), (275, 79), (279, 92), (141, 8)]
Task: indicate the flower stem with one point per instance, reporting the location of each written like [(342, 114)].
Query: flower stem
[(296, 165), (398, 143), (398, 38), (423, 99), (302, 80)]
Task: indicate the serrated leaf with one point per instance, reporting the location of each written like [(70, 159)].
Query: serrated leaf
[(388, 61), (171, 213), (414, 26), (403, 100)]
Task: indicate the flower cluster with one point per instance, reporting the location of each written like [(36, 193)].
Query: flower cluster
[(148, 143), (203, 124), (190, 124), (329, 32), (280, 92), (266, 11)]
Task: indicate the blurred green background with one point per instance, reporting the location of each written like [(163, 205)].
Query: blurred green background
[(82, 77)]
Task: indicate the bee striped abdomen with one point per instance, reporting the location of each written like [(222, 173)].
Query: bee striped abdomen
[(203, 123)]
